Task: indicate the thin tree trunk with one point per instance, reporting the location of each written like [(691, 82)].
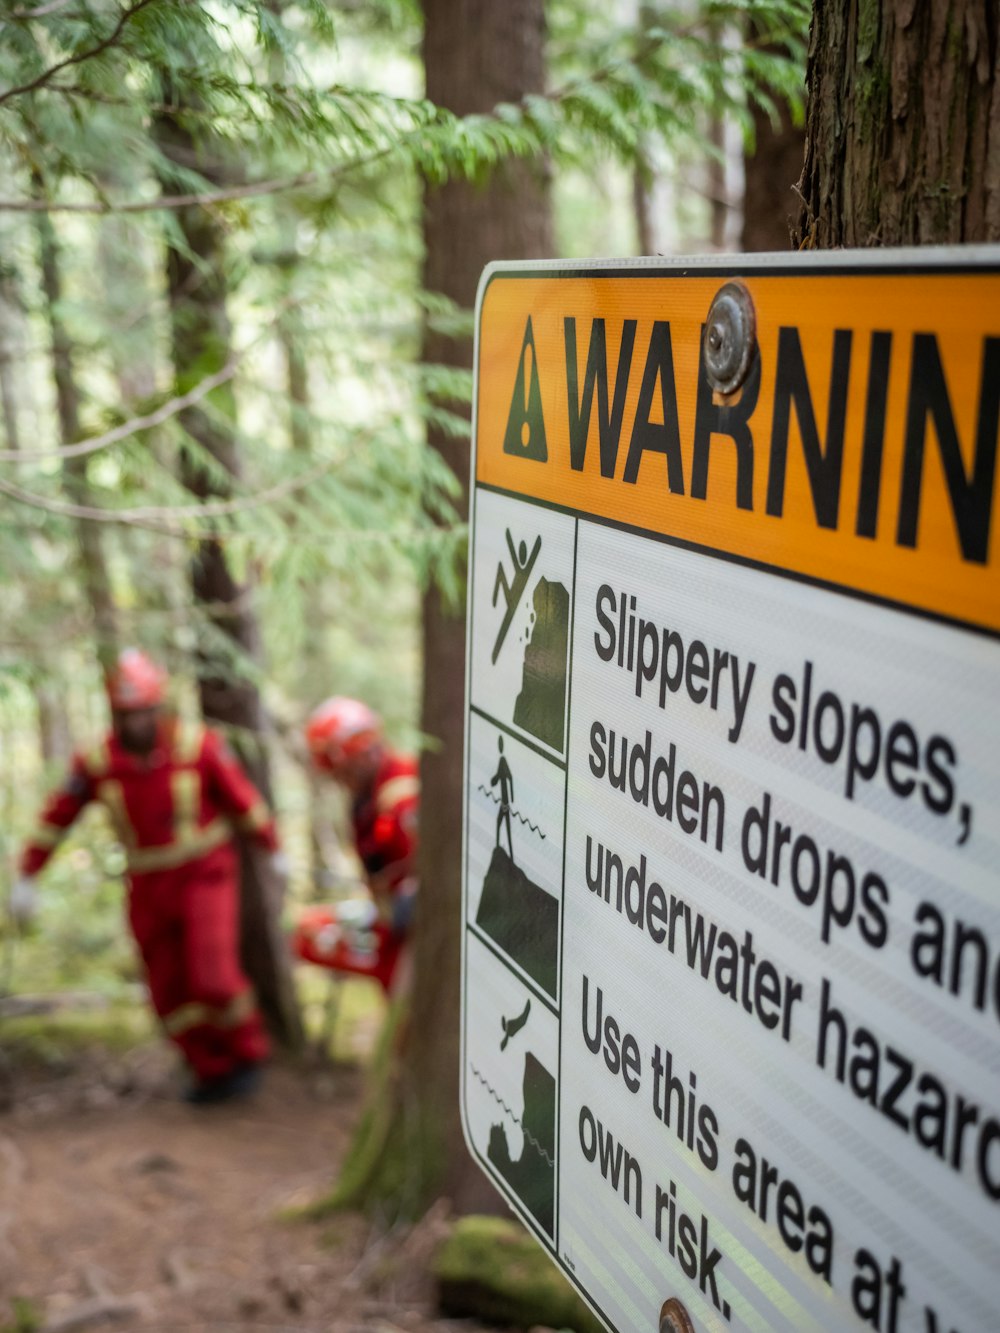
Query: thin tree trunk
[(314, 663), (11, 324), (642, 170), (54, 739), (196, 285), (642, 203), (770, 174), (718, 197), (903, 132), (53, 725), (128, 282), (93, 563)]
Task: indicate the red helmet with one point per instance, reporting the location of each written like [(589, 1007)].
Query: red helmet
[(340, 729), (135, 681)]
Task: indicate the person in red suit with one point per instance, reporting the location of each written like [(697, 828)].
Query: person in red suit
[(176, 794), (346, 743)]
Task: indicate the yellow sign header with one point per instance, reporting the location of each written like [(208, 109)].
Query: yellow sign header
[(860, 452)]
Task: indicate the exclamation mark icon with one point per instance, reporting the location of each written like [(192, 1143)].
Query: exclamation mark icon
[(526, 378), (525, 434)]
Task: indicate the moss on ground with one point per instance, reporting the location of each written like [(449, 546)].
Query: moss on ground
[(491, 1269)]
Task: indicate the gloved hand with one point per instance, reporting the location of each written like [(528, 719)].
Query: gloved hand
[(23, 902)]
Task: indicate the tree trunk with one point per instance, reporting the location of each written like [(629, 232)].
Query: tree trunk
[(642, 203), (903, 132), (93, 564), (770, 175), (128, 282), (54, 737), (718, 190), (11, 325), (477, 53), (196, 285)]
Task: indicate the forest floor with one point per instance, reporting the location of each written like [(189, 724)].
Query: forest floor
[(123, 1207)]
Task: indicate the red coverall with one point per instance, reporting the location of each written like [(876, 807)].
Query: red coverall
[(171, 810), (384, 819)]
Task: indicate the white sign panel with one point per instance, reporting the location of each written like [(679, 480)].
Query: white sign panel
[(731, 970)]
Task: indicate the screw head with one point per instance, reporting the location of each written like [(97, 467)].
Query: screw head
[(730, 338), (674, 1318)]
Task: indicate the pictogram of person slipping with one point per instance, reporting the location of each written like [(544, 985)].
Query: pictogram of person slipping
[(505, 778), (513, 586)]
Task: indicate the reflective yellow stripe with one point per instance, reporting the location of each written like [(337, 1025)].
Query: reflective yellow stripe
[(47, 835), (187, 746), (187, 1016), (194, 1014), (253, 819), (185, 791), (237, 1011), (112, 797), (396, 790), (143, 859)]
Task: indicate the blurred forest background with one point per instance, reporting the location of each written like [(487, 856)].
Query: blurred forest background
[(239, 246)]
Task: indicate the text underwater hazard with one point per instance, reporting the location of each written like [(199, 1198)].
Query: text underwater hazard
[(862, 473)]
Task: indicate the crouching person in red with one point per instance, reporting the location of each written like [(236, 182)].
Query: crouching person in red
[(175, 795), (346, 743)]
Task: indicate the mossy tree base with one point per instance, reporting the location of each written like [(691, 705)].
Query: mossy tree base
[(394, 1167)]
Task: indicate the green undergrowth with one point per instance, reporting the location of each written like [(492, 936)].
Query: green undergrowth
[(25, 1317), (64, 1038)]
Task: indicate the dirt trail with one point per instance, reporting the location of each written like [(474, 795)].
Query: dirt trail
[(122, 1207)]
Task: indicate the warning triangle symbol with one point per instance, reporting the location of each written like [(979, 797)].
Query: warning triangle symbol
[(525, 435)]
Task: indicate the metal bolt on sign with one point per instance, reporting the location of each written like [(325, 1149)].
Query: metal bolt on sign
[(674, 1318), (730, 338)]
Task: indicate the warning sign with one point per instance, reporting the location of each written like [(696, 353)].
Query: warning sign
[(731, 968)]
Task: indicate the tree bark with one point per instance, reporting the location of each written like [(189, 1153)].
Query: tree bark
[(201, 343), (903, 132)]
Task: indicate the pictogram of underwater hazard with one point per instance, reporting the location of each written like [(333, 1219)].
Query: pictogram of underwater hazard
[(532, 1175), (521, 918)]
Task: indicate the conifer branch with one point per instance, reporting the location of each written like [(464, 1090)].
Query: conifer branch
[(165, 202), (169, 409), (80, 56), (162, 518)]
